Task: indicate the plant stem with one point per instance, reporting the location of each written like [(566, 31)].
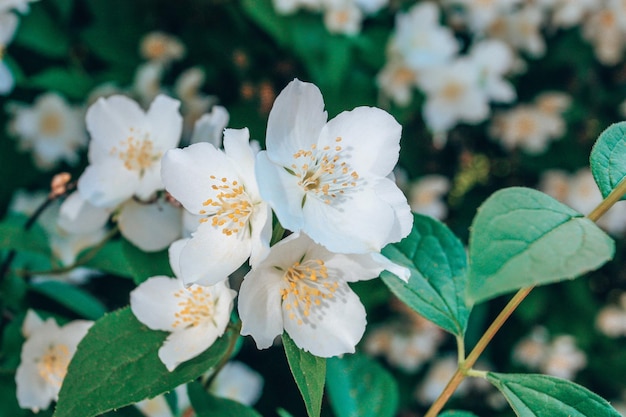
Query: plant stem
[(235, 328), (615, 195), (471, 359)]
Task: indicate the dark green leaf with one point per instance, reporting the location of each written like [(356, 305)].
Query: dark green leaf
[(521, 237), (143, 265), (69, 82), (358, 386), (207, 405), (309, 372), (608, 158), (438, 265), (110, 259), (116, 364), (546, 396), (456, 413), (71, 297), (40, 32), (13, 236), (264, 14)]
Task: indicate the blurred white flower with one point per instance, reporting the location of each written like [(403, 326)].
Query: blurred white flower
[(479, 15), (421, 40), (521, 29), (425, 196), (210, 127), (159, 407), (51, 129), (147, 83), (8, 26), (46, 353), (220, 187), (195, 104), (161, 47), (194, 315), (126, 149), (494, 60), (238, 382), (438, 375), (302, 288), (21, 6), (291, 6), (342, 16), (611, 319), (330, 179), (371, 6), (397, 80), (605, 33), (569, 13)]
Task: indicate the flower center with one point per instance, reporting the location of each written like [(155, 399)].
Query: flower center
[(526, 126), (53, 364), (231, 206), (137, 154), (50, 124), (323, 173), (195, 307), (306, 286), (452, 91)]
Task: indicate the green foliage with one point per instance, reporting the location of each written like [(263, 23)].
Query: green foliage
[(71, 297), (14, 237), (309, 372), (359, 386), (207, 405), (42, 33), (116, 364), (110, 258), (608, 158), (438, 265), (143, 265), (455, 413), (546, 396), (521, 237), (70, 82)]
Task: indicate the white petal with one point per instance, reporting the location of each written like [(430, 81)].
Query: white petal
[(8, 26), (236, 381), (154, 304), (78, 216), (186, 173), (261, 225), (260, 306), (387, 190), (333, 328), (166, 123), (237, 147), (174, 255), (109, 121), (210, 127), (150, 182), (210, 256), (6, 79), (183, 345), (281, 190), (370, 136), (108, 183), (150, 227), (31, 322), (295, 121), (400, 271), (32, 391)]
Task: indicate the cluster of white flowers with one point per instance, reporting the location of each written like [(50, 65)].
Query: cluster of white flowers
[(8, 26), (531, 126), (557, 356), (580, 191), (340, 16)]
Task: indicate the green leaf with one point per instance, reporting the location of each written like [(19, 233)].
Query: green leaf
[(522, 237), (358, 386), (40, 32), (13, 236), (67, 81), (10, 407), (455, 413), (438, 265), (283, 413), (546, 396), (71, 297), (207, 405), (143, 265), (608, 158), (116, 364), (309, 372), (264, 14), (110, 258)]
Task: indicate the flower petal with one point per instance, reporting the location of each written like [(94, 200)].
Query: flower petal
[(108, 183), (237, 147), (78, 216), (150, 227), (295, 121), (166, 123), (154, 303), (174, 255)]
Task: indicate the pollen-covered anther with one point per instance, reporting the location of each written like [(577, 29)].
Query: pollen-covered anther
[(195, 307), (306, 285), (324, 172), (230, 209), (137, 154), (53, 364)]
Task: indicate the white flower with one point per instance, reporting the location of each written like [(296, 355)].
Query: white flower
[(494, 59), (52, 129), (147, 82), (371, 6), (343, 17), (8, 26), (480, 14), (21, 6), (425, 196), (436, 379), (46, 353), (237, 382), (521, 29), (161, 47), (397, 80), (126, 149), (290, 6), (606, 34), (219, 186), (453, 94), (330, 179), (195, 316), (421, 40), (210, 127), (302, 288)]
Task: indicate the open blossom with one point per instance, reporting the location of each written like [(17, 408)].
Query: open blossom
[(51, 129), (126, 149), (219, 187), (238, 382), (195, 315), (479, 15), (8, 25), (302, 288), (330, 179), (425, 196), (161, 47), (46, 353), (521, 29)]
